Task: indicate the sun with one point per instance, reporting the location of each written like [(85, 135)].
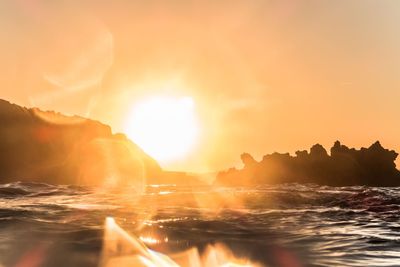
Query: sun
[(165, 127)]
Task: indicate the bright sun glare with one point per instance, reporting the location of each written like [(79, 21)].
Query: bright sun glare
[(165, 127)]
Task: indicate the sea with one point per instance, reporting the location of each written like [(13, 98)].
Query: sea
[(270, 225)]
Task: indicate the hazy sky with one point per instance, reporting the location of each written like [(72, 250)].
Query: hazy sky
[(265, 75)]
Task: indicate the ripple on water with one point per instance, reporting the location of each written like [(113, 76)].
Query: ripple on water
[(322, 225)]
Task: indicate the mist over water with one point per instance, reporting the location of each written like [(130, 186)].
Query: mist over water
[(290, 224)]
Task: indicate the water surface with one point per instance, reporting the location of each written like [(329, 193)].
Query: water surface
[(315, 225)]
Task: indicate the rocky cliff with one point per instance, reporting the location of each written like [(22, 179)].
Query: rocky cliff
[(49, 147)]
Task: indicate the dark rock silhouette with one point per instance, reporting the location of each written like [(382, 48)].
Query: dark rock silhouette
[(37, 146), (373, 166)]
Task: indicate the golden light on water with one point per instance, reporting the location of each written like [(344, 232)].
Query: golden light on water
[(165, 127), (123, 250), (152, 240)]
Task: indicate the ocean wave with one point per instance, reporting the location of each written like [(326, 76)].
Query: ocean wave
[(321, 224)]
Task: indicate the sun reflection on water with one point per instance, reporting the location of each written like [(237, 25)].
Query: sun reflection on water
[(152, 240)]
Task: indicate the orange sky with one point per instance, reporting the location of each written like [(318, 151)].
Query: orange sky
[(265, 75)]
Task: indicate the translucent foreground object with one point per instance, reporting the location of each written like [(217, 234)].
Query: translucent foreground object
[(122, 250)]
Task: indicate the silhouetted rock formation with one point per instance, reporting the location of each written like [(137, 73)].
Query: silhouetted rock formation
[(373, 166), (39, 146)]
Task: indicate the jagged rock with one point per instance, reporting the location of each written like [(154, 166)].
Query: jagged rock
[(247, 159), (373, 166)]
